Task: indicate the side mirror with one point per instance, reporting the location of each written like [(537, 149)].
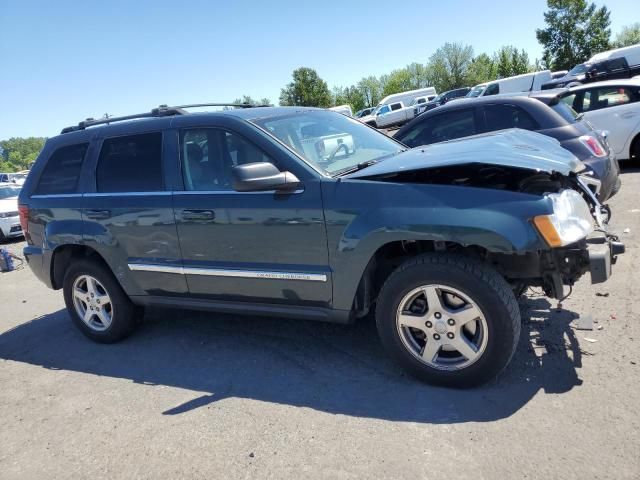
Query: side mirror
[(263, 176)]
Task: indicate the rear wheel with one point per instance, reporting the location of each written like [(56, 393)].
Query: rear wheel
[(97, 304), (449, 320)]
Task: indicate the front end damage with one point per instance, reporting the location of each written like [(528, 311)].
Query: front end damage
[(520, 162)]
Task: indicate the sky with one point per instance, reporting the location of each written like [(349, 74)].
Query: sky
[(63, 61)]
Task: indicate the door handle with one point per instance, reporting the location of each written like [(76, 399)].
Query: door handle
[(98, 214), (198, 215)]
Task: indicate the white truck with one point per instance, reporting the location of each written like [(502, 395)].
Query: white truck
[(527, 82), (398, 108)]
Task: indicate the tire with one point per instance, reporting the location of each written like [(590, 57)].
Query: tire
[(470, 284), (114, 319)]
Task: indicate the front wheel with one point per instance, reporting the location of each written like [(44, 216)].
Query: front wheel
[(97, 304), (448, 319)]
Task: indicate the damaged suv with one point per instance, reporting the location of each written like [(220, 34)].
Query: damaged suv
[(305, 213)]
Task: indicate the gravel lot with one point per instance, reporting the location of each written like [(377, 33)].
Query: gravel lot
[(212, 396)]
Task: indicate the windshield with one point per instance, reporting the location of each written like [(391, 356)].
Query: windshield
[(578, 69), (476, 91), (9, 192), (328, 141)]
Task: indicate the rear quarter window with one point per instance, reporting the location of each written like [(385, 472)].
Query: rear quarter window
[(62, 171), (565, 111)]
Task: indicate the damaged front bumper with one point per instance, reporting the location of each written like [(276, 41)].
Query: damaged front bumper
[(603, 250)]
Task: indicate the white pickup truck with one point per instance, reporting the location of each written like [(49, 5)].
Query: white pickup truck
[(391, 114), (325, 145)]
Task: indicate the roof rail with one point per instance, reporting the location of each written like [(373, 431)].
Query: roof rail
[(160, 111)]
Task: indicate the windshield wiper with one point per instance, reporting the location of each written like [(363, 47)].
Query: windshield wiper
[(354, 168), (363, 165)]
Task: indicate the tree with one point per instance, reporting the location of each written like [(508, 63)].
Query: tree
[(509, 62), (351, 96), (307, 90), (250, 100), (482, 69), (371, 90), (449, 66), (629, 35), (397, 81), (575, 31), (18, 153)]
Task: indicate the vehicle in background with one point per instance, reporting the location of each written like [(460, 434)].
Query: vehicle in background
[(558, 74), (438, 242), (614, 106), (441, 99), (398, 100), (610, 65), (527, 82), (364, 112), (343, 109), (17, 178), (9, 214), (324, 144), (544, 113)]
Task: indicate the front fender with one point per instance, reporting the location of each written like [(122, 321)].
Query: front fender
[(378, 213)]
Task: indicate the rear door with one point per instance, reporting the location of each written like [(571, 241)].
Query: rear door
[(129, 218), (263, 247), (615, 109)]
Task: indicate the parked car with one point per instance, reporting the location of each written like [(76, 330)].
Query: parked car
[(438, 239), (395, 102), (17, 178), (364, 112), (389, 115), (527, 82), (614, 106), (9, 217), (544, 114), (619, 63), (441, 99), (343, 109)]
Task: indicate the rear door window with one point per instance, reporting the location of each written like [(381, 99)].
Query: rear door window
[(62, 172), (131, 163), (500, 117), (396, 106), (440, 128)]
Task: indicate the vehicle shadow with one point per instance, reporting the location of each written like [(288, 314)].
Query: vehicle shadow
[(331, 368)]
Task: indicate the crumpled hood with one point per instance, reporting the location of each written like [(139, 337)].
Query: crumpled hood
[(514, 148)]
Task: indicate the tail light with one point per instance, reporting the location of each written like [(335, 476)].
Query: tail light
[(24, 220), (593, 145)]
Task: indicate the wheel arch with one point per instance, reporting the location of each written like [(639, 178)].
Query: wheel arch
[(62, 257)]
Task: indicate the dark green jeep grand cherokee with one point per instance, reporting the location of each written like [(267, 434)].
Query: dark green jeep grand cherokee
[(306, 213)]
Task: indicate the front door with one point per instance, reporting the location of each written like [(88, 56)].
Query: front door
[(247, 246)]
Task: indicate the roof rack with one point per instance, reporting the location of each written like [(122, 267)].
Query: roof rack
[(160, 111)]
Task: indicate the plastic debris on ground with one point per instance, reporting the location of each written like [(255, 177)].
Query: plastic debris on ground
[(585, 322)]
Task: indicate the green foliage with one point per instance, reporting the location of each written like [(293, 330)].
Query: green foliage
[(482, 69), (250, 100), (449, 66), (18, 153), (307, 89), (575, 31), (629, 35), (371, 90), (509, 62)]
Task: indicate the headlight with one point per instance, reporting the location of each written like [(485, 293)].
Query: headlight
[(571, 219)]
